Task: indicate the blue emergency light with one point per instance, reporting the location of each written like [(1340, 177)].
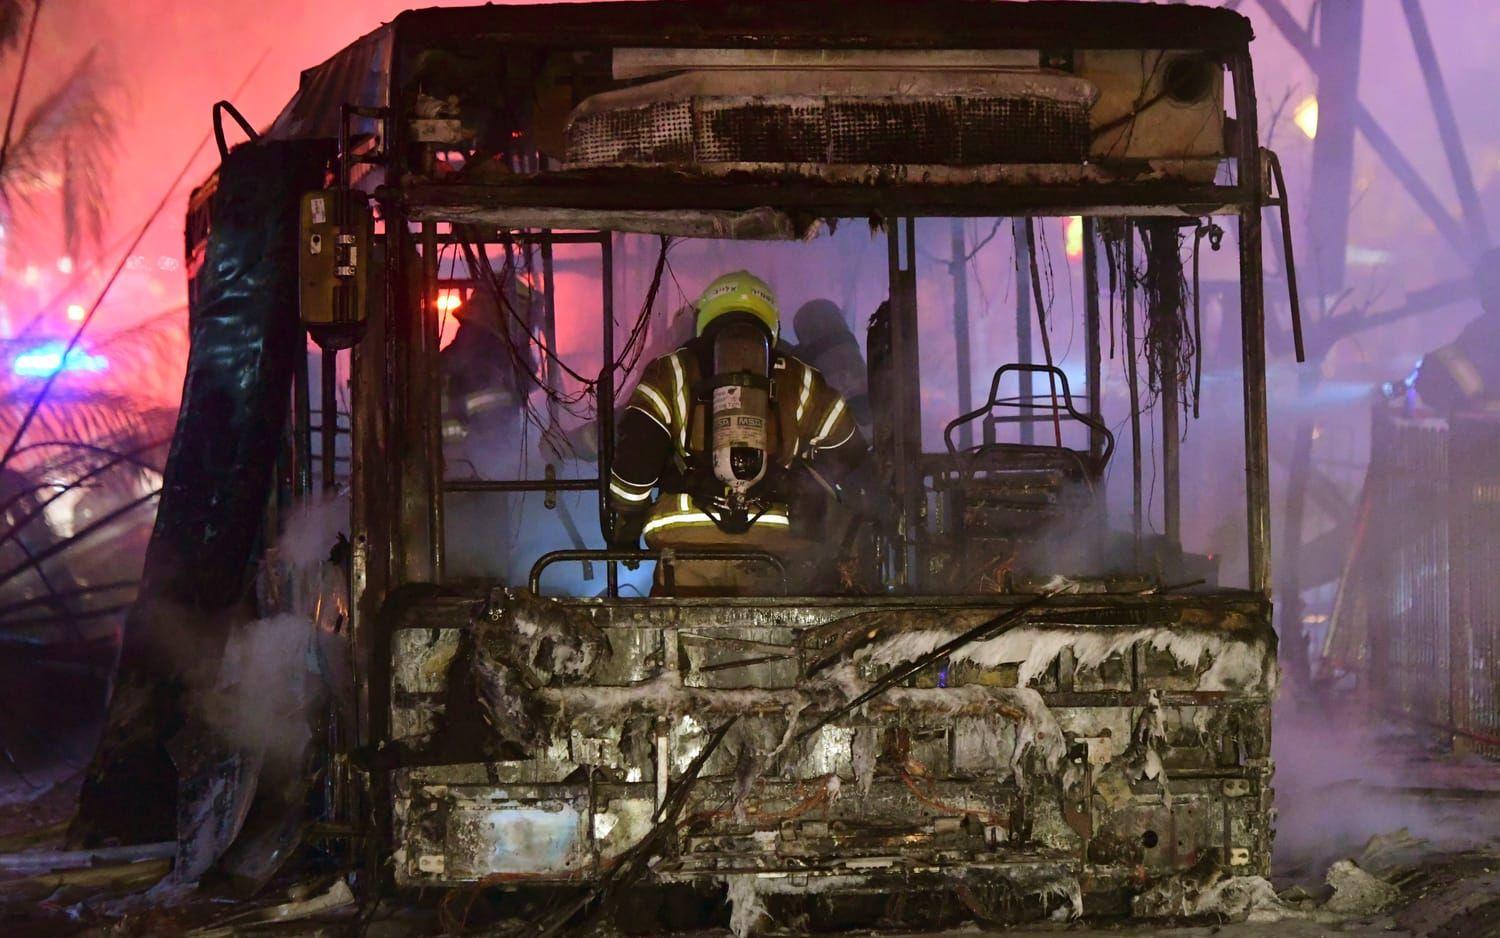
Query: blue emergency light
[(46, 360)]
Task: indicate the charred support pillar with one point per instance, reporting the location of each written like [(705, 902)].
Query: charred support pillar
[(420, 431), (959, 267), (1253, 332), (301, 426), (1093, 339), (1023, 321), (606, 408), (549, 326), (906, 395), (1164, 336)]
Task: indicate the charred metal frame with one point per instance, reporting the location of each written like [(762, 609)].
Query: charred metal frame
[(546, 239), (898, 201), (397, 478)]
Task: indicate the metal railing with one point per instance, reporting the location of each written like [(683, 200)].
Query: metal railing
[(534, 581)]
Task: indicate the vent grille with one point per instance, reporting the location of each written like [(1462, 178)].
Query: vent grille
[(657, 133), (952, 130)]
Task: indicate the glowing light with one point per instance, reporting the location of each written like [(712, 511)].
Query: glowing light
[(65, 265), (1073, 236), (31, 276), (76, 312), (46, 360), (1305, 116), (448, 301)]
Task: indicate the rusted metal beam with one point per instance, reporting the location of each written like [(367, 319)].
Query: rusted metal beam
[(1442, 112)]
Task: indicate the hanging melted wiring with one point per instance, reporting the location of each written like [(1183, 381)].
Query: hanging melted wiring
[(575, 402)]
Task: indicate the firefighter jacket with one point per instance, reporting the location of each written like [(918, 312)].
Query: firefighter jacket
[(663, 443), (1466, 372), (482, 383)]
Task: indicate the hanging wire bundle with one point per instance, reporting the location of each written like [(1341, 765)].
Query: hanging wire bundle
[(522, 341), (1171, 343)]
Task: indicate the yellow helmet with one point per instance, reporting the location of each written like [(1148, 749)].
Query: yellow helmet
[(739, 292)]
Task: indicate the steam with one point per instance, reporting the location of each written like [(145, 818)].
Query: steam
[(1346, 786), (268, 684), (255, 716)]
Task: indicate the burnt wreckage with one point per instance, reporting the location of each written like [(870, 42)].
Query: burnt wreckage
[(1058, 734)]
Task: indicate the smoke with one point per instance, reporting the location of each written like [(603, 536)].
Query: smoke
[(267, 687), (278, 673), (1344, 778), (310, 532), (244, 758)]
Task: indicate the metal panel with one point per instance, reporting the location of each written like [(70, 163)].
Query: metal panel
[(1149, 758), (1410, 631), (1474, 552)]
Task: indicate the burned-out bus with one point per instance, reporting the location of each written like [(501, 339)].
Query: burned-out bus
[(1041, 683)]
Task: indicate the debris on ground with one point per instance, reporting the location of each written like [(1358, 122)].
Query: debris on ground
[(1356, 892), (1206, 890)]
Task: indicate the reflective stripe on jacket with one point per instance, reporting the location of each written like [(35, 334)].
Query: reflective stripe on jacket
[(809, 415), (671, 437)]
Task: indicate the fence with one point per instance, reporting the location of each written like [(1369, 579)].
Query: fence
[(1418, 617)]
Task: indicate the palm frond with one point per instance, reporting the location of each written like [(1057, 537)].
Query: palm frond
[(12, 18), (146, 360), (64, 145)]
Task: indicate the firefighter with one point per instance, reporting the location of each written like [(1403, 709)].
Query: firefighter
[(825, 341), (744, 444), (1466, 372), (485, 379)]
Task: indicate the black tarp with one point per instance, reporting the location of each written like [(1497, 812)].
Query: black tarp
[(199, 569)]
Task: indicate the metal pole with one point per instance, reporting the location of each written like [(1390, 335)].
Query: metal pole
[(912, 402), (1023, 321), (1092, 338), (1132, 377), (428, 399), (606, 406), (549, 324), (1164, 265), (1442, 111), (301, 423), (906, 426), (328, 426), (959, 267), (1253, 334)]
